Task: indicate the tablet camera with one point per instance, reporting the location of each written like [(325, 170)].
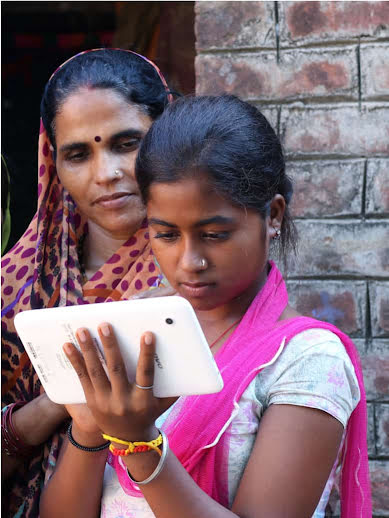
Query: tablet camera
[(169, 321)]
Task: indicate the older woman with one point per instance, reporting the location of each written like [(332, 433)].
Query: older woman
[(88, 241)]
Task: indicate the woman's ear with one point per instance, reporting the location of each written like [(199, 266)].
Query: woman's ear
[(277, 210)]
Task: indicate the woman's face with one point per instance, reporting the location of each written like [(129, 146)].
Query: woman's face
[(190, 223), (97, 133)]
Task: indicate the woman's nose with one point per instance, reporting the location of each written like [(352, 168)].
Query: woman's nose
[(106, 170)]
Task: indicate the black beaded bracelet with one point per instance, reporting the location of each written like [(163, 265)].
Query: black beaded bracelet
[(84, 448)]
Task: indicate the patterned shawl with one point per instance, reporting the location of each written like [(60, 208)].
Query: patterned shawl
[(43, 270)]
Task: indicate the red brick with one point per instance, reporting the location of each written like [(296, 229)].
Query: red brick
[(339, 302), (377, 186), (379, 308), (234, 25), (340, 130), (374, 70), (326, 188), (371, 429), (379, 479), (300, 74), (382, 413), (375, 366), (352, 247), (308, 22)]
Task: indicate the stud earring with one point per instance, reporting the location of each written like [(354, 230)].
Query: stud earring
[(277, 234)]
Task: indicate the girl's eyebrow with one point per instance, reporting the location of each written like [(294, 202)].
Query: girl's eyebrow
[(156, 221), (221, 220)]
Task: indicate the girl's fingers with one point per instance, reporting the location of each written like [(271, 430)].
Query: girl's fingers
[(78, 364), (145, 369), (93, 363), (114, 360)]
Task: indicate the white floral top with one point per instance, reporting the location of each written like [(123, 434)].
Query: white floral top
[(313, 370)]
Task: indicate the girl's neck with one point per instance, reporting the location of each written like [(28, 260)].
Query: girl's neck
[(99, 246), (215, 321)]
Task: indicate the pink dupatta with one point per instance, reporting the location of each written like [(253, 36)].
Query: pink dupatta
[(198, 426)]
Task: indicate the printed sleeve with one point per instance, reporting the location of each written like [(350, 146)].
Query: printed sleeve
[(314, 371)]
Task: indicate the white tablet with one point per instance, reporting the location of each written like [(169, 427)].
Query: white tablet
[(184, 364)]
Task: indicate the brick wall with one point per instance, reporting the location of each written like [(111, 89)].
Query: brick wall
[(320, 72)]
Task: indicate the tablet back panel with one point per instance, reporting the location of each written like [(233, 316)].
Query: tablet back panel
[(184, 364)]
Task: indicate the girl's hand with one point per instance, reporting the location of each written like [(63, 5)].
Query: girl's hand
[(83, 418), (120, 408)]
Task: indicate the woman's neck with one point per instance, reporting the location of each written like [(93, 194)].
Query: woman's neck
[(99, 246)]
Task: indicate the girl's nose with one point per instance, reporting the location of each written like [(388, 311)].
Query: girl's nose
[(193, 260)]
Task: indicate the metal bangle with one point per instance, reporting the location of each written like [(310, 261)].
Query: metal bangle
[(85, 448), (160, 464)]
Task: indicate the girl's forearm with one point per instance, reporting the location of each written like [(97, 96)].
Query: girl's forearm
[(75, 489), (173, 492)]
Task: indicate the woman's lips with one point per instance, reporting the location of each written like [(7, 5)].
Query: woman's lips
[(114, 201), (196, 289)]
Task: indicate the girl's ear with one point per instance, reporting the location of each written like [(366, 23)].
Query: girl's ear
[(277, 210)]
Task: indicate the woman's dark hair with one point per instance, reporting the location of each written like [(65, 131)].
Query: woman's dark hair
[(229, 140), (124, 72)]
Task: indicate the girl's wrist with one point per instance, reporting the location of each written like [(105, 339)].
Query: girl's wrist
[(144, 435), (88, 439)]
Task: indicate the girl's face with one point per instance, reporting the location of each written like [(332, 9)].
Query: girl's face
[(98, 133), (189, 224)]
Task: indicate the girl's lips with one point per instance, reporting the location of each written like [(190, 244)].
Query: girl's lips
[(196, 290)]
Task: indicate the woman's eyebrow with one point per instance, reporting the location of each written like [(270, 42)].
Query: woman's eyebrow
[(130, 132), (72, 146)]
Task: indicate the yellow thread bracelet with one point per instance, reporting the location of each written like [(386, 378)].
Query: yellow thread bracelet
[(153, 445)]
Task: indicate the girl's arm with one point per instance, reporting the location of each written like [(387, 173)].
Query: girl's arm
[(34, 423), (289, 466), (294, 452), (74, 490)]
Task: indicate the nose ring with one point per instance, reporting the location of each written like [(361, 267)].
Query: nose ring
[(117, 172), (203, 263)]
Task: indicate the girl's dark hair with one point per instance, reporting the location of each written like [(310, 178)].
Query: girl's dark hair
[(229, 140), (124, 72)]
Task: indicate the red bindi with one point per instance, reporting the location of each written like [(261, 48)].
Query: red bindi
[(97, 138)]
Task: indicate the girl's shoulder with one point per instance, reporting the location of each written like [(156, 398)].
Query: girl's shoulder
[(313, 370)]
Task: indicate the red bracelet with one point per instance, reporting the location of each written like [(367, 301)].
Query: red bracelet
[(137, 449), (12, 445)]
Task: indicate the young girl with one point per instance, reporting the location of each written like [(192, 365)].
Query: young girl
[(212, 174)]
